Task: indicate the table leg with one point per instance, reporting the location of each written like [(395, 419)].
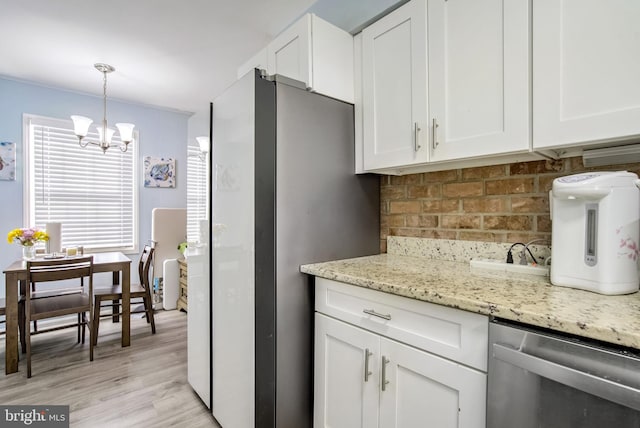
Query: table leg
[(21, 318), (126, 305), (11, 315)]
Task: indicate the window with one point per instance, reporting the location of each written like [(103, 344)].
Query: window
[(197, 204), (93, 194)]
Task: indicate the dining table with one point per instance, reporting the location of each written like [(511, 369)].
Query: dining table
[(16, 277)]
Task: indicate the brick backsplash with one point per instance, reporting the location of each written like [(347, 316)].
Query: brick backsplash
[(498, 203)]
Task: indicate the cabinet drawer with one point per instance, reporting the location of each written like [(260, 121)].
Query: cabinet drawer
[(452, 333)]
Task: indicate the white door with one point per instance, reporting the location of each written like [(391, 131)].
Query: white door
[(290, 52), (394, 64), (345, 397), (423, 390), (233, 277), (478, 77), (586, 71)]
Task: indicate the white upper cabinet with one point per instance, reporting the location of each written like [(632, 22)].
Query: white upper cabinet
[(394, 88), (445, 84), (478, 77), (317, 53), (289, 53), (586, 71)]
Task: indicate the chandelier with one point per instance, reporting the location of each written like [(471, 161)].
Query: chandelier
[(81, 123)]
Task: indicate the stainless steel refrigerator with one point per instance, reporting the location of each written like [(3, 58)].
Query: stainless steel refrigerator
[(284, 194)]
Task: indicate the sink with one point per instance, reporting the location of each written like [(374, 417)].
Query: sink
[(501, 265)]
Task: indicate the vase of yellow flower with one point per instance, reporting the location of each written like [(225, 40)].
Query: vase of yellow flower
[(28, 238), (28, 252)]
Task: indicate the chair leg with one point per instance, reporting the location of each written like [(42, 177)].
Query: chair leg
[(148, 306), (35, 323), (84, 325), (78, 327), (115, 310), (91, 341)]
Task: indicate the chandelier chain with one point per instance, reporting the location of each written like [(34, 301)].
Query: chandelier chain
[(104, 117)]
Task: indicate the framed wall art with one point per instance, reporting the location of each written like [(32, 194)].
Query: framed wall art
[(7, 161), (159, 172)]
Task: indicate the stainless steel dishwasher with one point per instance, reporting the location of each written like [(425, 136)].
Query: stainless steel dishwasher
[(539, 379)]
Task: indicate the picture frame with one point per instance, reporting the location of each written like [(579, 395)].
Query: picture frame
[(7, 161), (159, 172)]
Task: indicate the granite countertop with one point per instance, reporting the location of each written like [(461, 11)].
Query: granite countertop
[(524, 298)]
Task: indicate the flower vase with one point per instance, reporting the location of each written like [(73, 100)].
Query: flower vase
[(28, 252)]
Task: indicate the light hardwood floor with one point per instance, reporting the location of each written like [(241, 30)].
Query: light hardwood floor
[(144, 385)]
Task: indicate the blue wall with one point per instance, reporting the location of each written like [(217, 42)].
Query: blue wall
[(162, 133)]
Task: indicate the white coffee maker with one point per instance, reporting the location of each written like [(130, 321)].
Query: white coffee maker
[(596, 232)]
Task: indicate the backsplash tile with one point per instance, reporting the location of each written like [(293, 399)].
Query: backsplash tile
[(457, 250), (498, 203)]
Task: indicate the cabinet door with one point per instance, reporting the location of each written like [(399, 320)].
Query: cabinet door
[(289, 54), (423, 390), (394, 64), (343, 398), (586, 68), (332, 60), (478, 77)]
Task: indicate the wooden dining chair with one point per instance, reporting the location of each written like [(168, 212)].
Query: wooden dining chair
[(111, 296), (65, 294), (3, 313)]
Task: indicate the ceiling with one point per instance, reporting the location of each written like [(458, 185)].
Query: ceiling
[(173, 54)]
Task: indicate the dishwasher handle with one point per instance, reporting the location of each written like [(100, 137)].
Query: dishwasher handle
[(609, 390)]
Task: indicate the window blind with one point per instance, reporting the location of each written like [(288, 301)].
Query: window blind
[(197, 204), (93, 194)]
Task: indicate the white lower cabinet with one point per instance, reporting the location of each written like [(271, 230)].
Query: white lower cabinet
[(422, 389), (364, 379), (344, 396)]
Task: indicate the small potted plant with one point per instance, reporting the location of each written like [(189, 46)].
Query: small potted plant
[(27, 237)]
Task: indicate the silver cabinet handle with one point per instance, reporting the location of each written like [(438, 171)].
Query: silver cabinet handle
[(384, 381), (367, 373), (434, 130), (609, 390), (376, 314), (416, 136)]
